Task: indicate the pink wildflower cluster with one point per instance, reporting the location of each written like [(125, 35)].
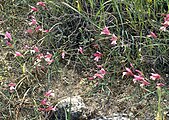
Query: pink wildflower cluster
[(39, 56), (113, 39), (47, 57), (166, 23), (138, 76), (35, 9), (100, 74), (35, 27), (45, 102)]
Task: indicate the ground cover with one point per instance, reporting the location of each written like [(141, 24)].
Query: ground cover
[(114, 54)]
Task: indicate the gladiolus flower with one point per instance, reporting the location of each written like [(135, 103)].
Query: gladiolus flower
[(50, 108), (165, 24), (160, 84), (48, 58), (49, 93), (42, 109), (155, 76), (41, 4), (40, 56), (152, 34), (33, 22), (91, 78), (11, 86), (98, 75), (34, 9), (105, 31), (48, 55), (114, 39), (38, 28), (139, 72), (128, 72), (45, 31), (18, 54), (80, 50), (99, 66), (63, 54), (36, 49), (8, 36), (163, 28), (50, 61), (102, 71), (97, 56), (144, 83), (138, 78), (44, 102)]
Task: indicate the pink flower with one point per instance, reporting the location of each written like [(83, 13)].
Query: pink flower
[(163, 28), (166, 18), (41, 4), (91, 78), (44, 102), (45, 31), (49, 93), (48, 55), (152, 34), (18, 54), (33, 22), (80, 50), (48, 58), (11, 86), (114, 39), (26, 47), (50, 108), (63, 54), (138, 78), (102, 71), (128, 72), (165, 24), (139, 72), (8, 36), (34, 9), (40, 56), (160, 84), (36, 49), (144, 83), (105, 31), (99, 66), (155, 76), (98, 75), (42, 109), (50, 61), (97, 56), (38, 28)]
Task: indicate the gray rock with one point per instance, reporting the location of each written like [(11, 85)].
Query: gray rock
[(118, 116), (70, 107)]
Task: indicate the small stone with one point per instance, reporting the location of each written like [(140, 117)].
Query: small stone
[(71, 107)]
